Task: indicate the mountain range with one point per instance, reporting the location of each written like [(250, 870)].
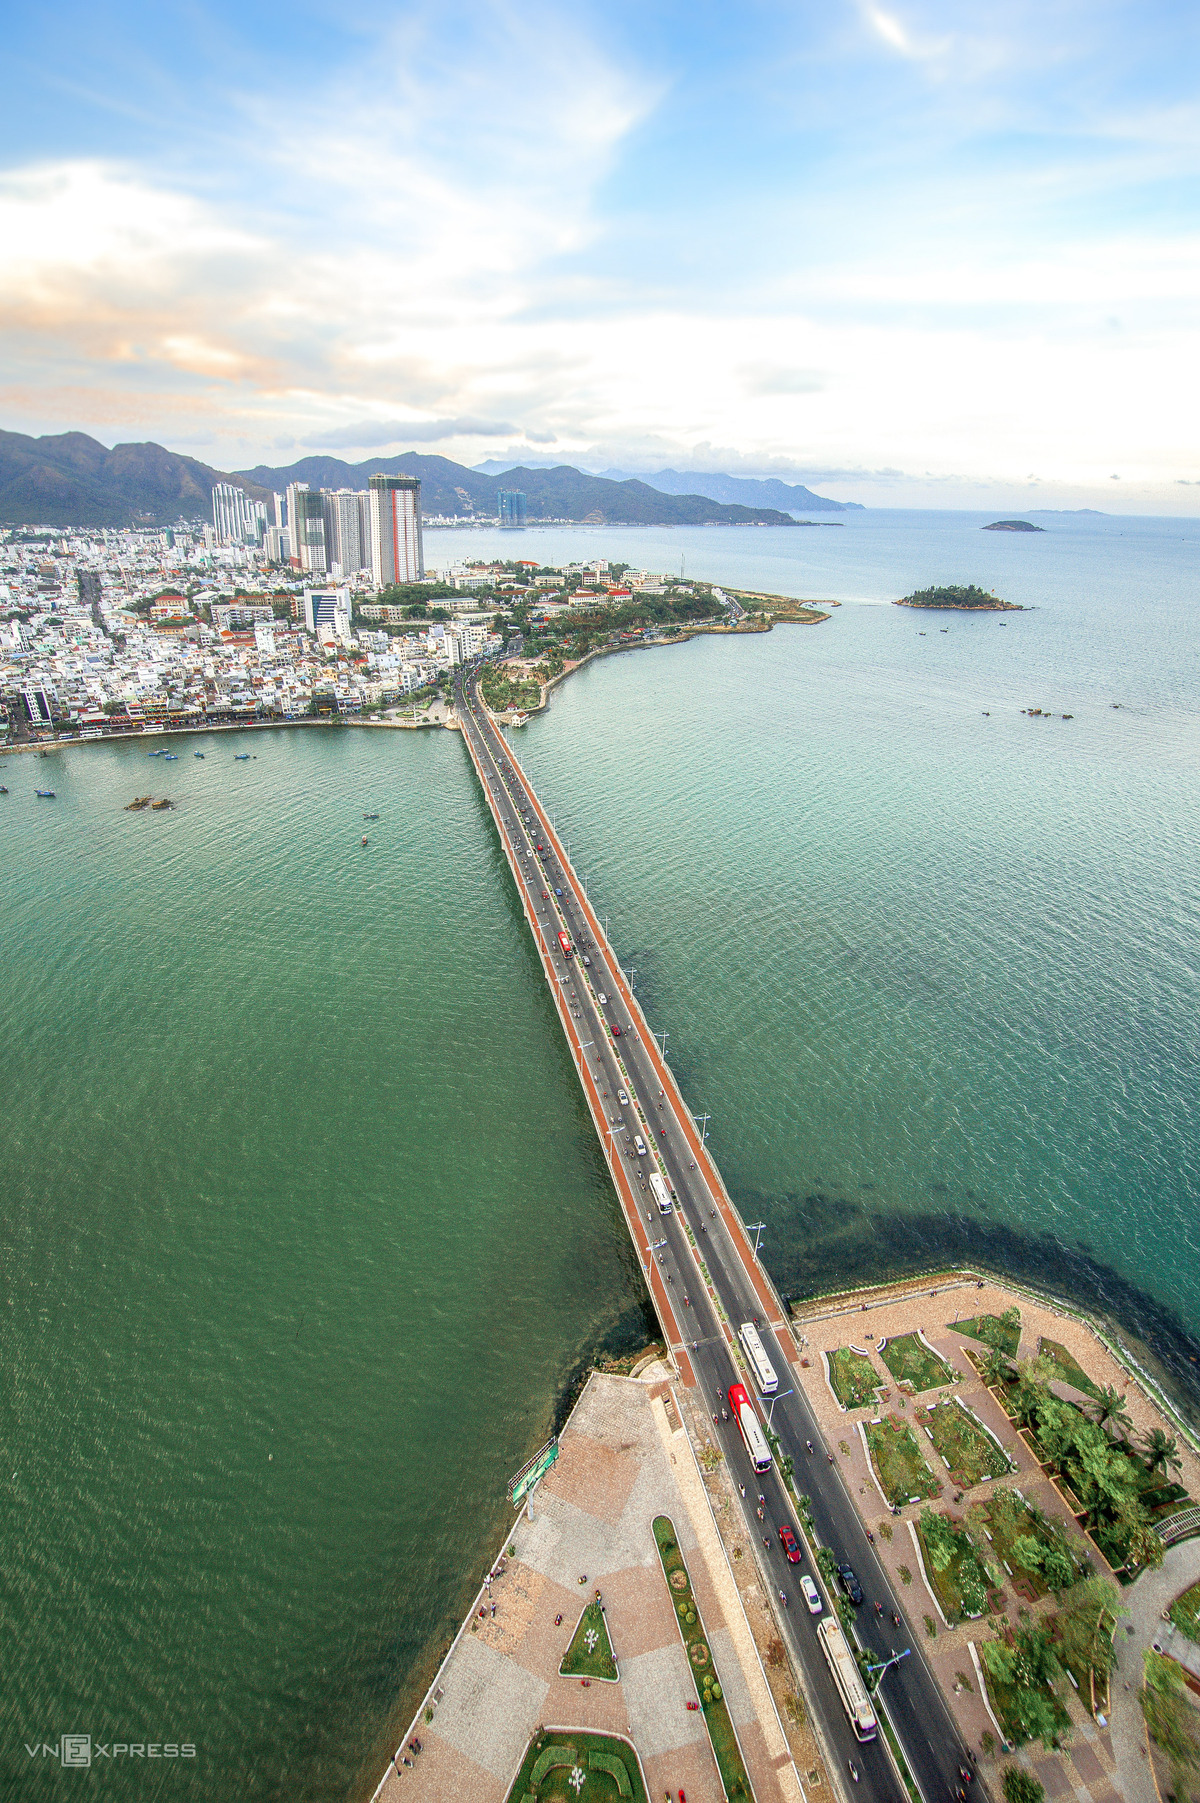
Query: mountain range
[(748, 491), (70, 479)]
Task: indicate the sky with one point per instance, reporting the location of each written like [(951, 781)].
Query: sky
[(913, 253)]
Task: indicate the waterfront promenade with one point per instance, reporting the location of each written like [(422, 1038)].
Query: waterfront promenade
[(702, 1273)]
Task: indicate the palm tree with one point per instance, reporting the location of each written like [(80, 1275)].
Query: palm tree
[(1161, 1451), (1108, 1412), (995, 1369)]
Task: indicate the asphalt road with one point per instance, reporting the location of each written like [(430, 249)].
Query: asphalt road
[(916, 1708)]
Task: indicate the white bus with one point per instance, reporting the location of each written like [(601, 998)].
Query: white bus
[(848, 1678), (756, 1358), (661, 1193)]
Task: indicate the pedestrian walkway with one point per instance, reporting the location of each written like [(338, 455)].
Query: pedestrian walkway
[(623, 1460)]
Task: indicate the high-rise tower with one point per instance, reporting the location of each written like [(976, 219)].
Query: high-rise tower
[(396, 550)]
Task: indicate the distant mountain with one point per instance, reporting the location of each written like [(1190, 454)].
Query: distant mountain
[(71, 480), (750, 491), (561, 492)]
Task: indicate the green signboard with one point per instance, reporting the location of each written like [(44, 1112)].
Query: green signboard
[(529, 1474)]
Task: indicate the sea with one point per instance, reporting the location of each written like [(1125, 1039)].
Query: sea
[(304, 1235)]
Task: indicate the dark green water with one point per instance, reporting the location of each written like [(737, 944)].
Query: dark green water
[(303, 1230)]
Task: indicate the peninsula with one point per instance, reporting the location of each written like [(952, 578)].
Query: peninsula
[(962, 600)]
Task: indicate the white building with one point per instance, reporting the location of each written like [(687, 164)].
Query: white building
[(329, 608), (397, 554), (237, 520)]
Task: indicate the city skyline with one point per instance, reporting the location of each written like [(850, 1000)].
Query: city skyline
[(923, 255)]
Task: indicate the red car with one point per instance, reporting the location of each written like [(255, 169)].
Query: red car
[(787, 1541), (616, 1031), (545, 895)]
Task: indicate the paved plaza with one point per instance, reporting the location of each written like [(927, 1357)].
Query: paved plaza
[(624, 1459)]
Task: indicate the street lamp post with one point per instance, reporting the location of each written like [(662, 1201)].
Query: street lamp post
[(774, 1400), (702, 1121), (663, 1048), (887, 1664), (757, 1228)]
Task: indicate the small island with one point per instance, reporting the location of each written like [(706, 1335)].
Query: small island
[(1012, 526), (969, 599)]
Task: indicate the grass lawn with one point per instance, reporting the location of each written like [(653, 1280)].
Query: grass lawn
[(992, 1331), (898, 1461), (959, 1438), (953, 1567), (854, 1378), (1185, 1613), (1066, 1367), (590, 1653), (608, 1765), (910, 1361), (712, 1701)]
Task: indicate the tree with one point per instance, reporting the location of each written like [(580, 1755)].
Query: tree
[(1085, 1622), (1021, 1786), (996, 1368), (1161, 1451), (1108, 1411)]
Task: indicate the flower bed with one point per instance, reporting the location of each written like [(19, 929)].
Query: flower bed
[(961, 1439), (563, 1765), (912, 1362), (899, 1464), (590, 1653), (852, 1377), (955, 1572), (712, 1700)]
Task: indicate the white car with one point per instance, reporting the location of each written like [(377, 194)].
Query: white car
[(603, 999), (811, 1596), (622, 1098)]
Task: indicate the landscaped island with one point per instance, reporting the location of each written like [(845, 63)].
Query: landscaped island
[(969, 599)]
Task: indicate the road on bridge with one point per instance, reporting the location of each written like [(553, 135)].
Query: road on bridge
[(632, 1092)]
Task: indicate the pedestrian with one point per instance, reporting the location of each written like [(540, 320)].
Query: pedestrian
[(493, 1608)]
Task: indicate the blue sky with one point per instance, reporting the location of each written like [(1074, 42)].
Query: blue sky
[(918, 253)]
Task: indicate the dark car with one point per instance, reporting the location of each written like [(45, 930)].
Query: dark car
[(787, 1541), (850, 1584)]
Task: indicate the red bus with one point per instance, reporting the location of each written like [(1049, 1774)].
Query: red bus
[(753, 1438), (565, 942)]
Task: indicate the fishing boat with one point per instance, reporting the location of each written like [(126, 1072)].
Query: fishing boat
[(241, 757), (197, 754), (370, 816), (3, 789), (154, 754), (170, 757), (46, 794)]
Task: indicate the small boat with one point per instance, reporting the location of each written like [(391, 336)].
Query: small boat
[(170, 757), (154, 754), (364, 838), (197, 754), (370, 816), (3, 789), (241, 757), (46, 794)]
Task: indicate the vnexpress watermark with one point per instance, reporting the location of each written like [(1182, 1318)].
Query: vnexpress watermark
[(81, 1752)]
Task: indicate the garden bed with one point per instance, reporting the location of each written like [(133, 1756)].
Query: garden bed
[(953, 1568), (991, 1330), (717, 1718), (1010, 1520), (562, 1765), (1067, 1367), (898, 1461), (961, 1439), (590, 1653), (1185, 1613), (852, 1377), (916, 1364), (1009, 1700)]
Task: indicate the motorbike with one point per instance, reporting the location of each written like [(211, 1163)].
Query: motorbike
[(853, 1770)]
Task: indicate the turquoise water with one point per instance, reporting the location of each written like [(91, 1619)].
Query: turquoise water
[(931, 964), (304, 1227)]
